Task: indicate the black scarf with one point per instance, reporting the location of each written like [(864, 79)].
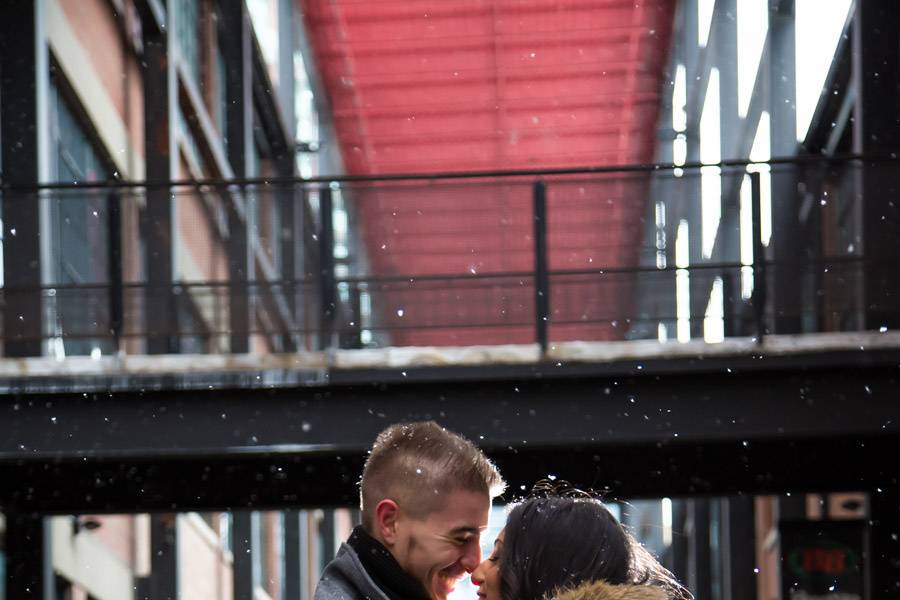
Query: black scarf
[(384, 569)]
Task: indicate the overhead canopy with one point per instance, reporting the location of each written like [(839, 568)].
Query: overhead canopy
[(430, 86), (454, 85)]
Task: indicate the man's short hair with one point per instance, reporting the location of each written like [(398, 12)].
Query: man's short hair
[(417, 464)]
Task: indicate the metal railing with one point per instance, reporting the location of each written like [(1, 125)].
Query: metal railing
[(446, 259)]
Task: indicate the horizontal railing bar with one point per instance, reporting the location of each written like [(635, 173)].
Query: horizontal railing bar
[(419, 326), (275, 283), (507, 173)]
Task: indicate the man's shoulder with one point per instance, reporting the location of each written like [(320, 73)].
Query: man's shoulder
[(345, 578)]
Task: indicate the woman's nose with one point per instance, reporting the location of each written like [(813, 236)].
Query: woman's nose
[(477, 578)]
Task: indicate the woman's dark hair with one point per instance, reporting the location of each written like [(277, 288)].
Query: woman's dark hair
[(558, 542)]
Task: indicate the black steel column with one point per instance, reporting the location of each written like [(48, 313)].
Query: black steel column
[(884, 542), (19, 85), (286, 165), (786, 241), (728, 242), (159, 151), (876, 69), (25, 556), (289, 237), (327, 284), (697, 69), (242, 551), (541, 271), (698, 560), (292, 555), (237, 54), (738, 548), (162, 583)]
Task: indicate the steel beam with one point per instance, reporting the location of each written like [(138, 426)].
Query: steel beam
[(696, 399), (787, 429), (290, 235), (786, 244), (21, 69), (315, 480), (160, 108), (690, 400), (238, 57), (242, 550), (698, 65), (728, 236), (162, 582), (877, 71)]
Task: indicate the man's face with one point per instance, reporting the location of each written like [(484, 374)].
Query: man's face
[(442, 547)]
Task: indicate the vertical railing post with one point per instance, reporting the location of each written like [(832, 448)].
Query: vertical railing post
[(293, 555), (541, 273), (327, 285), (289, 237), (114, 256), (758, 298), (240, 275)]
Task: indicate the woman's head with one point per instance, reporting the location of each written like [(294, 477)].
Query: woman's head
[(553, 543)]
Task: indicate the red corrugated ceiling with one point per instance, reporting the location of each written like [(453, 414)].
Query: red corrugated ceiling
[(457, 85)]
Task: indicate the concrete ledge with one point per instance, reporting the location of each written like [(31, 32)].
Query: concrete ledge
[(208, 371)]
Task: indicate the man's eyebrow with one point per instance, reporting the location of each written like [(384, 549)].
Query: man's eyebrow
[(465, 531)]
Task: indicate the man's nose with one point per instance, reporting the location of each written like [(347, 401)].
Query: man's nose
[(471, 557)]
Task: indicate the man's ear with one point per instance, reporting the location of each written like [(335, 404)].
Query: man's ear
[(386, 515)]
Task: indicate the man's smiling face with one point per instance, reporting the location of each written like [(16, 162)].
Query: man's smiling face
[(442, 547)]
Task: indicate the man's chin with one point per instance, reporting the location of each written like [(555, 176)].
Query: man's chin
[(443, 585)]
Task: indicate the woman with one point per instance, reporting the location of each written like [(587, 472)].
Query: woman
[(570, 548)]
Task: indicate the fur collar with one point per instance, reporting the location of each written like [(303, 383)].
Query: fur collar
[(600, 590)]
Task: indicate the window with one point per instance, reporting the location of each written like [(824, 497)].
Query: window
[(79, 226)]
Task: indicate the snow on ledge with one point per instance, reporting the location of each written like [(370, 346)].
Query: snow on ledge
[(432, 356), (421, 356)]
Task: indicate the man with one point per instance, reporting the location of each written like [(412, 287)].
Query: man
[(425, 496)]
